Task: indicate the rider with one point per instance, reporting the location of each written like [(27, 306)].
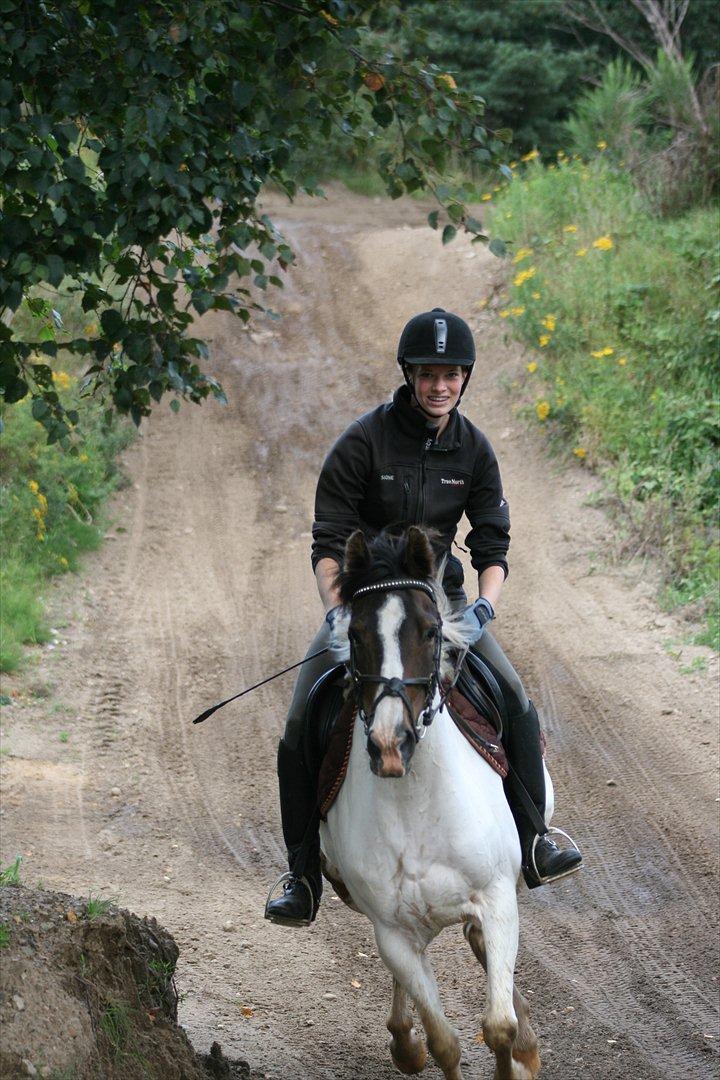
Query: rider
[(417, 460)]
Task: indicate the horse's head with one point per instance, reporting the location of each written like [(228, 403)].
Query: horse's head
[(403, 644)]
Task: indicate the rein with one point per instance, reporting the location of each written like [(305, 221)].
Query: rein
[(395, 687)]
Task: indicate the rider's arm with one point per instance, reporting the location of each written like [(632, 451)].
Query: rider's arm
[(490, 583), (341, 490), (325, 572)]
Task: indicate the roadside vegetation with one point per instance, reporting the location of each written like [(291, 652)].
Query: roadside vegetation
[(51, 500)]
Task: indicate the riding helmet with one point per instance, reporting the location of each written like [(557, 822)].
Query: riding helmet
[(436, 337)]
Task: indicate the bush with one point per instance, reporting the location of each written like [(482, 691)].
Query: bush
[(621, 311), (51, 505)]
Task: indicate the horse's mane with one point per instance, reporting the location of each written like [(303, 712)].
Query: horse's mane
[(388, 560), (388, 551)]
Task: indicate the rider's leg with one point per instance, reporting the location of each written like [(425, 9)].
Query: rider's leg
[(523, 745), (298, 795)]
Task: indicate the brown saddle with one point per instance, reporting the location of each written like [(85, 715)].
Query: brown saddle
[(476, 728)]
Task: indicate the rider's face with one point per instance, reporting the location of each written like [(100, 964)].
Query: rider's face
[(437, 387)]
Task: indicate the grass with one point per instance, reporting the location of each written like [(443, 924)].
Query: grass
[(51, 502), (64, 737), (4, 934), (116, 1024), (10, 875), (620, 312), (96, 906)]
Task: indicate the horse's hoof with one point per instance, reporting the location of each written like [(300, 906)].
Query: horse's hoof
[(409, 1053)]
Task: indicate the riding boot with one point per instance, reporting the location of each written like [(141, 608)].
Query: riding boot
[(300, 900), (542, 860)]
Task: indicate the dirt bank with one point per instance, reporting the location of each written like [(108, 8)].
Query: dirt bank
[(209, 588)]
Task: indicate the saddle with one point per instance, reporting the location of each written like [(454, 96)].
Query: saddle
[(330, 722)]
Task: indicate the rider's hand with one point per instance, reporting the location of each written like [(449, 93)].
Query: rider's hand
[(475, 618), (339, 649)]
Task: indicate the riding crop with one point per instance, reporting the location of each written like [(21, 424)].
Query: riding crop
[(208, 712)]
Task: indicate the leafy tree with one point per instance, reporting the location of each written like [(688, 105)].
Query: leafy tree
[(137, 136)]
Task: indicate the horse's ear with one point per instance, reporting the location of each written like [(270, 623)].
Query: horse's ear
[(357, 553), (419, 559)]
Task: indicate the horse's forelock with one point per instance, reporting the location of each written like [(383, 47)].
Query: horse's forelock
[(387, 561)]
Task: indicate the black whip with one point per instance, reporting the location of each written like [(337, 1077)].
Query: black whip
[(208, 712)]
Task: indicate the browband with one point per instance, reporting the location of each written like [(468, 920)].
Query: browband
[(400, 583)]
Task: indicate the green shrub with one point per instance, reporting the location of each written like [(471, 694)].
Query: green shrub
[(51, 506), (621, 310)]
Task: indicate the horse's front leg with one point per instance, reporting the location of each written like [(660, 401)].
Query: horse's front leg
[(406, 1046), (499, 919), (526, 1056), (411, 968)]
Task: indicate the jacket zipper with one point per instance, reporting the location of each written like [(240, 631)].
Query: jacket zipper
[(427, 443)]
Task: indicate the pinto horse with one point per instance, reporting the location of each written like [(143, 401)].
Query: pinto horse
[(420, 836)]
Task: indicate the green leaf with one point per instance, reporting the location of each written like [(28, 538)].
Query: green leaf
[(175, 405), (112, 324), (433, 219), (449, 233), (498, 247)]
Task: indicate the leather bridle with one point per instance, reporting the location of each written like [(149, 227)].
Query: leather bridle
[(395, 687)]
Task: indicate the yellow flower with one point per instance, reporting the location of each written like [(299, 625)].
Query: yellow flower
[(580, 252), (63, 561), (504, 314), (561, 154), (535, 295), (486, 196), (333, 22), (602, 145), (498, 188), (83, 457), (599, 353), (532, 367), (522, 253), (543, 410), (622, 361), (530, 156), (549, 322), (91, 329), (508, 216), (524, 276), (603, 243), (517, 311), (543, 340), (62, 379), (569, 228), (580, 452), (34, 486), (42, 503), (513, 164), (446, 79)]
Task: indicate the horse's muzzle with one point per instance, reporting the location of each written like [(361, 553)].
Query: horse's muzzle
[(391, 758)]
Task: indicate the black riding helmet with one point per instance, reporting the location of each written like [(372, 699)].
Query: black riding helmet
[(436, 337)]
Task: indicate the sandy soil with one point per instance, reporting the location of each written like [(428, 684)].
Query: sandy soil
[(204, 586)]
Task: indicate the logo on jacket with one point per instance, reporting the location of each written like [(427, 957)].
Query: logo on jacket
[(454, 482), (387, 476)]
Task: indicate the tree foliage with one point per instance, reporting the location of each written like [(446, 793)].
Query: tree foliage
[(137, 136)]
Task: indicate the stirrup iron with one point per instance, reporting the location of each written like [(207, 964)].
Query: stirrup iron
[(289, 876), (565, 873)]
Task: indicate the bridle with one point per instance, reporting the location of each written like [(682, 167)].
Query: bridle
[(395, 687)]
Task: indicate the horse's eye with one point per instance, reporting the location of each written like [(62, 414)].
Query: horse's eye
[(431, 634)]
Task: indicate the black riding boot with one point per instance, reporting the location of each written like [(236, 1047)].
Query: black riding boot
[(524, 749), (298, 802)]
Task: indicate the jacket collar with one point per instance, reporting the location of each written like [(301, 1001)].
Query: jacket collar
[(414, 423)]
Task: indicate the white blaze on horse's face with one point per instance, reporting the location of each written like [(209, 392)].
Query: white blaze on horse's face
[(391, 740)]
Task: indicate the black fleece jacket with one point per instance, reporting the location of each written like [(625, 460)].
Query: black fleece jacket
[(389, 469)]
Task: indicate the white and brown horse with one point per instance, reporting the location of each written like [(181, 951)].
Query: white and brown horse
[(421, 835)]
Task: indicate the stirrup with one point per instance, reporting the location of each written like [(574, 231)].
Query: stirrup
[(289, 876), (565, 873)]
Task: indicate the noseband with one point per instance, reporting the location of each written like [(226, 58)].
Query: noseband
[(395, 687)]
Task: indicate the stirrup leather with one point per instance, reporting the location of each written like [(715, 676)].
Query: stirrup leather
[(555, 877), (289, 876)]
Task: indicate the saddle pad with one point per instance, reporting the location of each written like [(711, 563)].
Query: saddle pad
[(337, 755)]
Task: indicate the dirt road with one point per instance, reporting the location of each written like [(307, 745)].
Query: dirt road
[(205, 586)]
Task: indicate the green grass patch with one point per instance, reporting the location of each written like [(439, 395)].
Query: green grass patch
[(621, 311), (51, 501), (4, 934), (96, 906), (10, 875)]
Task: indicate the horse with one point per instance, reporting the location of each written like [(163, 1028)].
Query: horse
[(420, 836)]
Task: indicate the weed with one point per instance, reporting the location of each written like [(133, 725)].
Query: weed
[(10, 875), (698, 663), (96, 906), (64, 737), (4, 934), (116, 1025)]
